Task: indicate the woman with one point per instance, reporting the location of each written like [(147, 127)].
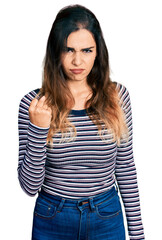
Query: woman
[(76, 139)]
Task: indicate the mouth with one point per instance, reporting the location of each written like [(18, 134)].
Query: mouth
[(77, 71)]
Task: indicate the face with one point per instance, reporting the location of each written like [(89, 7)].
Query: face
[(79, 55)]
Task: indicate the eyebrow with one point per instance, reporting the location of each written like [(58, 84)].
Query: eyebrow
[(70, 48)]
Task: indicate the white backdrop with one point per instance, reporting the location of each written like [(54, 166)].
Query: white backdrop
[(132, 30)]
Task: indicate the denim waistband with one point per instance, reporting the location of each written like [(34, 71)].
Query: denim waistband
[(67, 202)]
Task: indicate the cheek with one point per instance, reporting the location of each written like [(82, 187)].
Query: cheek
[(90, 63)]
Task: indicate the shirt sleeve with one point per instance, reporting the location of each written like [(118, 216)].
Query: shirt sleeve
[(126, 174), (32, 149)]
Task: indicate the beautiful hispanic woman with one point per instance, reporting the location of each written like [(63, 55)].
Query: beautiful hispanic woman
[(75, 139)]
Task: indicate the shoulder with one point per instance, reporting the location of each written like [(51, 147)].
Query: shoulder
[(26, 100), (122, 90), (123, 93)]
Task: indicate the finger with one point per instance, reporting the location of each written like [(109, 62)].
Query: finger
[(33, 103), (41, 102), (50, 110), (45, 107)]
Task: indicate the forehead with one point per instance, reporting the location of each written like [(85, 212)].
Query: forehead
[(81, 39)]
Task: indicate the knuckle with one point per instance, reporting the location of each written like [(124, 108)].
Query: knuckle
[(31, 109)]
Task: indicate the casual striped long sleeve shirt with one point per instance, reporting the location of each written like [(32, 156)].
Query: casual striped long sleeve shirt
[(83, 167)]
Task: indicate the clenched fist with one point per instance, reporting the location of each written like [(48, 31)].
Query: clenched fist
[(40, 114)]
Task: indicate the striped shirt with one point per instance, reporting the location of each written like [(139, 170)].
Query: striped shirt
[(83, 167)]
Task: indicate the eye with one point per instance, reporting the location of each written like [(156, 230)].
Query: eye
[(68, 50), (87, 50)]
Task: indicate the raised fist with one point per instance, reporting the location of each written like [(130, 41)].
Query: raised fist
[(40, 114)]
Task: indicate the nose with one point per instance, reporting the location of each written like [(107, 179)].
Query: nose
[(77, 59)]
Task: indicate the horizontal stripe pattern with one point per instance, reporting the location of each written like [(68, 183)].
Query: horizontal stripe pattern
[(83, 167)]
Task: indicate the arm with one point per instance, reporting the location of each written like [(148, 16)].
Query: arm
[(32, 149), (126, 174)]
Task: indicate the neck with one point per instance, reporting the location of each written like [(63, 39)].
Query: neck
[(77, 87), (81, 93)]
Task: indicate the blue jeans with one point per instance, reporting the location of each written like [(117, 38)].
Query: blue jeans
[(94, 218)]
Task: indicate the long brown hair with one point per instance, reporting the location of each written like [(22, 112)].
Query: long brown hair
[(103, 106)]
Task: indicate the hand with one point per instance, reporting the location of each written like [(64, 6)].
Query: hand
[(40, 114)]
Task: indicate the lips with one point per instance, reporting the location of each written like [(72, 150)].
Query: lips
[(77, 71)]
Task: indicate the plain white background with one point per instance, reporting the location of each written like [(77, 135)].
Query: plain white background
[(132, 30)]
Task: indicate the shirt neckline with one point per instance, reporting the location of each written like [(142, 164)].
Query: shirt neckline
[(78, 112)]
